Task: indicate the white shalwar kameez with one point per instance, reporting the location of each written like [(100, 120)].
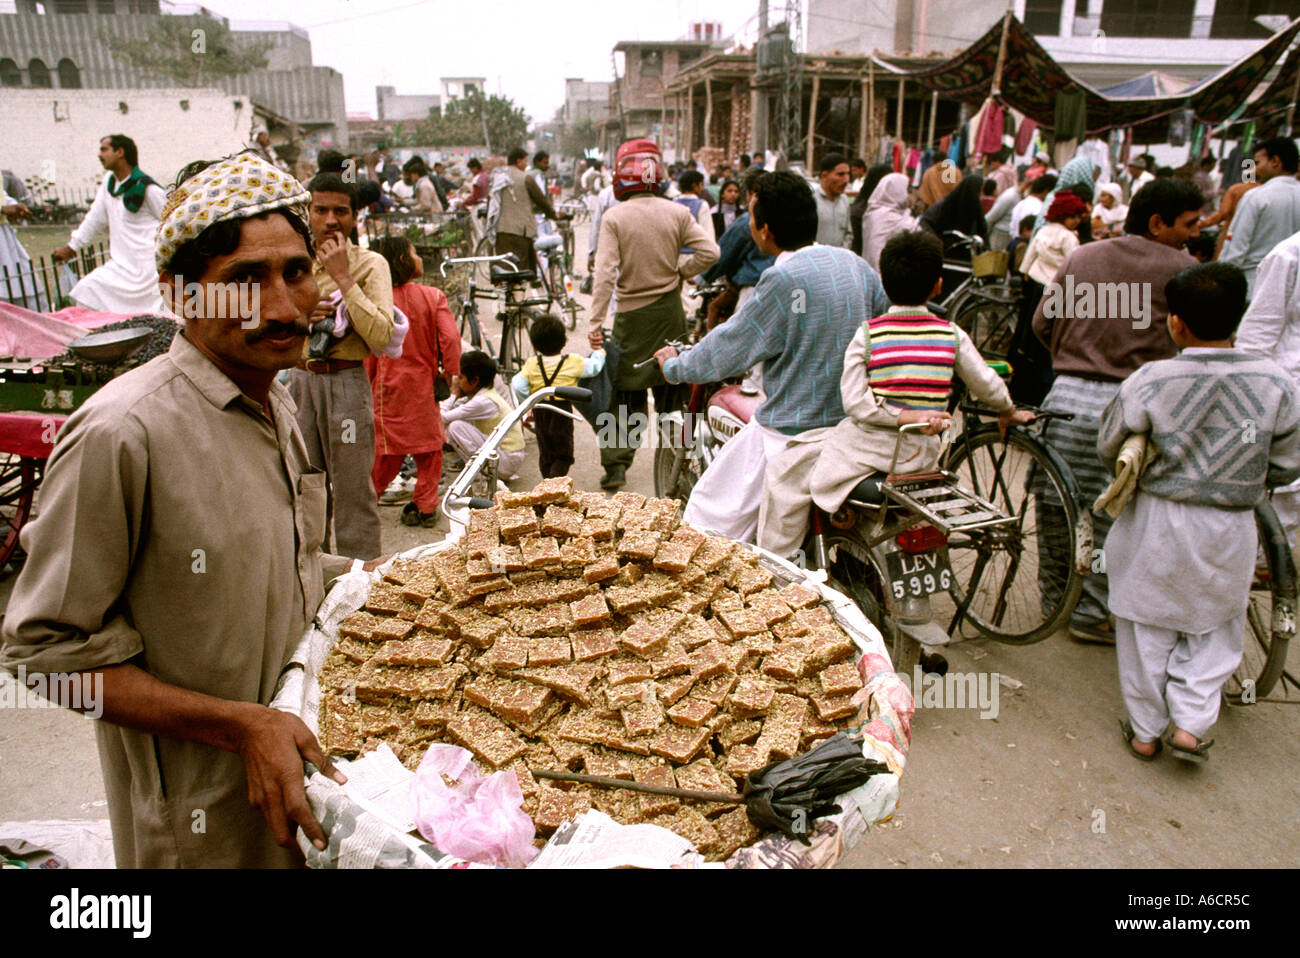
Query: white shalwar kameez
[(1180, 577), (729, 495), (128, 282)]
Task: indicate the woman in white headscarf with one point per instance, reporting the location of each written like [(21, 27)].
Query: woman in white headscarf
[(887, 215), (1110, 211)]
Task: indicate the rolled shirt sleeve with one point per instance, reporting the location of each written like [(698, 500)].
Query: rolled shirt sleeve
[(370, 300)]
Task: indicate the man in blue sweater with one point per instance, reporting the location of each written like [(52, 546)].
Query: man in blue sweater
[(804, 313), (739, 260)]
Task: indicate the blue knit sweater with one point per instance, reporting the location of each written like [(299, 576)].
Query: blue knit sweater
[(801, 320)]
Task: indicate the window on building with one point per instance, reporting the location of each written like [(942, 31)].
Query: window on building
[(1147, 18), (1043, 17), (1236, 20), (470, 89), (10, 75), (686, 56), (69, 75), (69, 6), (38, 75), (652, 63), (106, 7)]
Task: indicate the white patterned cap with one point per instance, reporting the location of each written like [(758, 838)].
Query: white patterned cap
[(236, 188)]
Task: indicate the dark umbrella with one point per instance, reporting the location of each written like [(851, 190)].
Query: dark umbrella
[(785, 795)]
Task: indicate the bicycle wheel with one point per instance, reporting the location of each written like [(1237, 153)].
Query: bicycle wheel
[(1017, 582), (990, 323), (19, 477), (555, 279), (483, 271), (514, 342), (675, 456), (568, 251), (1270, 617)]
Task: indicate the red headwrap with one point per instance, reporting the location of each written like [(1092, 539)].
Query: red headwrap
[(1065, 204), (638, 168)]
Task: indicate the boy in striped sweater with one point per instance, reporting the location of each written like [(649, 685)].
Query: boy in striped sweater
[(898, 369)]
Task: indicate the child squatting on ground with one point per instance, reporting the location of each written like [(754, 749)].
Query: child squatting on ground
[(1224, 427), (898, 370), (554, 430), (474, 409)]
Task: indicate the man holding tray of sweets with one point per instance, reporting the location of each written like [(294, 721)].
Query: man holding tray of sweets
[(176, 560)]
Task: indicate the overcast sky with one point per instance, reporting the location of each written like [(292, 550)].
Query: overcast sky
[(528, 46)]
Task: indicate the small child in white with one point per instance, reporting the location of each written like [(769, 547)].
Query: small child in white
[(1226, 427)]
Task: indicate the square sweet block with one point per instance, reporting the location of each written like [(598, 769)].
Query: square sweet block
[(587, 501), (749, 580), (629, 670), (788, 662), (625, 599), (589, 610), (701, 776), (477, 570), (508, 652), (694, 827), (516, 523), (598, 527), (642, 718), (640, 545), (482, 631), (553, 619), (667, 513), (434, 714), (503, 558), (673, 660), (790, 628), (769, 604), (694, 632), (415, 652), (577, 553), (419, 589), (609, 765), (487, 737), (556, 807), (540, 552), (689, 603), (621, 696), (714, 690), (482, 520), (829, 645), (689, 537), (354, 650), (662, 776), (627, 500), (752, 697), (660, 588), (568, 754), (520, 702), (478, 544), (833, 708), (554, 651), (780, 739), (673, 557), (603, 568), (399, 570), (561, 522), (673, 689), (360, 625), (678, 743), (692, 712), (648, 635), (555, 489), (385, 599), (692, 575), (739, 733), (571, 681), (713, 553), (727, 601), (593, 644), (741, 622), (841, 679), (760, 645), (735, 831), (815, 730), (709, 660), (630, 573)]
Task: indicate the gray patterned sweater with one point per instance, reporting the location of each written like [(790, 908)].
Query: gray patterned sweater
[(1225, 424)]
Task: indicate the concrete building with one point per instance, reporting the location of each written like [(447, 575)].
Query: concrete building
[(390, 105), (640, 104), (585, 100), (61, 129), (57, 44), (453, 88)]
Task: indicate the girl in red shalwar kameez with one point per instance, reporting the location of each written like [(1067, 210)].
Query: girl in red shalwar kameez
[(407, 419)]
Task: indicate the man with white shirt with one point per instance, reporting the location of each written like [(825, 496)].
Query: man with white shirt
[(1032, 204), (1271, 328), (128, 207), (833, 225), (1267, 215)]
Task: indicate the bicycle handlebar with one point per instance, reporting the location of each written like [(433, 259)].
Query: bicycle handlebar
[(502, 257)]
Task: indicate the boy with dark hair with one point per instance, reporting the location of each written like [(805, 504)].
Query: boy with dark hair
[(1181, 555), (898, 370), (554, 430), (694, 198), (474, 409)]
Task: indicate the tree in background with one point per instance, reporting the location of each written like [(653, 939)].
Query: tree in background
[(187, 51), (580, 137), (468, 120)]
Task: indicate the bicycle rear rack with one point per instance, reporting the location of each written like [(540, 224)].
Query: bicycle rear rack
[(945, 505)]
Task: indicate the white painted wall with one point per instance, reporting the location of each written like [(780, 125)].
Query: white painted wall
[(56, 133)]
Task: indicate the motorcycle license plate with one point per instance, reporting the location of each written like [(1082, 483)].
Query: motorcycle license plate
[(918, 574)]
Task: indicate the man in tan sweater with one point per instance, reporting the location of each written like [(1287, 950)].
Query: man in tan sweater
[(639, 249)]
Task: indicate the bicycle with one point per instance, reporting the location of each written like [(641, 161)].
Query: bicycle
[(1270, 618), (516, 314), (966, 534), (986, 303)]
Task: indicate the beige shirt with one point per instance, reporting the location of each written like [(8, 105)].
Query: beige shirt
[(640, 239), (369, 303), (179, 531)]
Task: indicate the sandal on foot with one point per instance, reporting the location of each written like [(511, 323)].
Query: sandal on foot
[(1126, 729), (1197, 756)]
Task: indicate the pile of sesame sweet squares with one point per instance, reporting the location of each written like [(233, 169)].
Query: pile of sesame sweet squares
[(570, 631)]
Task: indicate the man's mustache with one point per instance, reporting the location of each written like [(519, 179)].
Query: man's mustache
[(276, 329)]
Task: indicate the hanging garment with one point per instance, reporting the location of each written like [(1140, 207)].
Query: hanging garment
[(944, 143), (991, 127), (913, 159), (898, 158), (1025, 136), (1071, 118)]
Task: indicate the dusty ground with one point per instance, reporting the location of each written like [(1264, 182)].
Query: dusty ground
[(1045, 783)]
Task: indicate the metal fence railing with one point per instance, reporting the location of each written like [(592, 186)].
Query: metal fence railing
[(44, 285)]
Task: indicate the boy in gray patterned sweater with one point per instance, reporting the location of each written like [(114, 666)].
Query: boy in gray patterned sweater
[(1225, 427)]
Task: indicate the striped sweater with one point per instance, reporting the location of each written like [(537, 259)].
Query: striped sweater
[(910, 358)]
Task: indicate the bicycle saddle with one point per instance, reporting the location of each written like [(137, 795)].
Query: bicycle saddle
[(868, 491), (501, 274)]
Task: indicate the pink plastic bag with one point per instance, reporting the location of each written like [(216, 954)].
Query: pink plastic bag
[(480, 819)]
